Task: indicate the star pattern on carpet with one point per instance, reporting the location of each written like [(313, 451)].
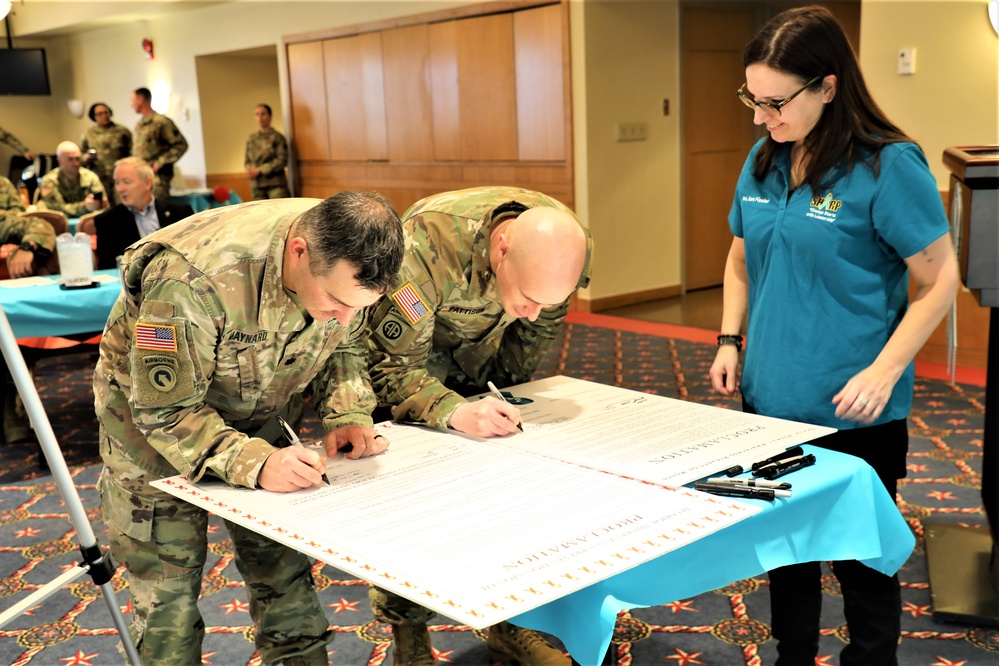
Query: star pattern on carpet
[(726, 627)]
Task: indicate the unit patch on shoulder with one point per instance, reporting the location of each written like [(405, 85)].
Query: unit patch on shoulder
[(411, 302), (392, 328), (156, 336)]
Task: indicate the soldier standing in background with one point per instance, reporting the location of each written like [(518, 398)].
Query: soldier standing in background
[(70, 188), (157, 141), (109, 141), (224, 323), (485, 287), (13, 142), (266, 159)]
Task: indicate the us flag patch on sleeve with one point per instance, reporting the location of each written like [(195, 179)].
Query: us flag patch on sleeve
[(156, 336), (411, 303)]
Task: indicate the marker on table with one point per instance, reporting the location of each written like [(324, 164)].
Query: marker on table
[(758, 483), (292, 437), (731, 490), (789, 453), (780, 469), (497, 394)]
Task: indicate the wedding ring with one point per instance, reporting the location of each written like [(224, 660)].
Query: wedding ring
[(377, 436), (862, 402)]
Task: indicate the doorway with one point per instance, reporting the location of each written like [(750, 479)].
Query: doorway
[(230, 86)]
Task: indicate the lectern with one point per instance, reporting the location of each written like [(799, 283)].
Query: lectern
[(963, 562)]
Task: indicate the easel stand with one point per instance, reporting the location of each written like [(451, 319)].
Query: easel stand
[(96, 562)]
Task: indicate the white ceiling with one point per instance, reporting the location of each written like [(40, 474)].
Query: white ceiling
[(48, 18)]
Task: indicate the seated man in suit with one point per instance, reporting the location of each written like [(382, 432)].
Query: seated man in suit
[(138, 214)]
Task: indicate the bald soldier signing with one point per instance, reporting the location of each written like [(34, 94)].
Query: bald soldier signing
[(227, 320), (484, 289)]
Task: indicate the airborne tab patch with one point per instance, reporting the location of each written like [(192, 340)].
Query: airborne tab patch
[(411, 302), (156, 336)]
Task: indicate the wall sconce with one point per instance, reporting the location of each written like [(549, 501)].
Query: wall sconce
[(147, 46), (994, 15), (4, 8), (75, 107)]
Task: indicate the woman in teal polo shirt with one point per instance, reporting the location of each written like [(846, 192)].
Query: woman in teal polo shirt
[(834, 212)]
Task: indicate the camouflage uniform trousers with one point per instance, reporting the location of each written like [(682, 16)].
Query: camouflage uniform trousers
[(269, 192), (390, 607), (161, 186), (163, 543)]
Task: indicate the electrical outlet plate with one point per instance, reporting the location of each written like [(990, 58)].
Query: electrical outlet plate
[(630, 131), (907, 61)]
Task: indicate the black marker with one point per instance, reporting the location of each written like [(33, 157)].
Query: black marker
[(293, 439), (787, 467), (735, 491), (790, 453)]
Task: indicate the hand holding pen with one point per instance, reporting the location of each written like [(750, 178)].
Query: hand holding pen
[(486, 418), (293, 466)]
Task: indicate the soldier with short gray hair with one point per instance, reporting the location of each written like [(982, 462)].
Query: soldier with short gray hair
[(226, 321), (70, 188)]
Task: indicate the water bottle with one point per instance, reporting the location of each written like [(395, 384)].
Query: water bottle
[(76, 259)]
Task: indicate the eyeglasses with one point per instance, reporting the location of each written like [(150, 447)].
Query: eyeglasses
[(771, 109)]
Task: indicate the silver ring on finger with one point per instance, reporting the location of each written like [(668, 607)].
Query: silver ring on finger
[(862, 402)]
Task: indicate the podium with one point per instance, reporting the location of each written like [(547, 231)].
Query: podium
[(963, 562)]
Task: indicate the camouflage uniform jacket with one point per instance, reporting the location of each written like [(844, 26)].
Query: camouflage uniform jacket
[(268, 151), (205, 344), (10, 201), (56, 192), (157, 139), (445, 324), (111, 143), (15, 227), (12, 141)]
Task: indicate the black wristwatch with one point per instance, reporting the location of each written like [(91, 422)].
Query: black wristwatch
[(28, 246)]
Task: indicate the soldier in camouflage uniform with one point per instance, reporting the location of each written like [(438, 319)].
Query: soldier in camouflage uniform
[(35, 237), (266, 159), (485, 287), (70, 188), (225, 321), (13, 142), (156, 140), (110, 141)]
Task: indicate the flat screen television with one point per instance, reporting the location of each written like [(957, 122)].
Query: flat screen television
[(23, 72)]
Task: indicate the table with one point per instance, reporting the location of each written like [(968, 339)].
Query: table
[(46, 310), (818, 523), (204, 199)]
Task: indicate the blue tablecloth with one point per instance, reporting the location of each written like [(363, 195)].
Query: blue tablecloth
[(201, 200), (839, 511), (47, 310)]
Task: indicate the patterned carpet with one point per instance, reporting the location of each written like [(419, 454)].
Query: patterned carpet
[(721, 628)]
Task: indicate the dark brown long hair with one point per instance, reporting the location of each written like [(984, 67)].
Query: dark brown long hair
[(806, 42)]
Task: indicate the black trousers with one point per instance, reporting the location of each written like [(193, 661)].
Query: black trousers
[(872, 601)]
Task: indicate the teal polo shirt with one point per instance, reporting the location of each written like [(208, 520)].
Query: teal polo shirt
[(827, 280)]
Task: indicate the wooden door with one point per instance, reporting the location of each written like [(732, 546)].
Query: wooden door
[(717, 136)]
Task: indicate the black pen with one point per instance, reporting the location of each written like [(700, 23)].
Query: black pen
[(293, 439), (790, 453), (780, 469), (735, 491)]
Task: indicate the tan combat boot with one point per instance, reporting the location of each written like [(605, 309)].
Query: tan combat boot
[(412, 645), (509, 644)]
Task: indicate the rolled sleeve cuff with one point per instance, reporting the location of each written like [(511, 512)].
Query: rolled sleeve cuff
[(246, 468)]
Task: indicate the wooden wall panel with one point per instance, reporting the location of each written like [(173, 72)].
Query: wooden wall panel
[(308, 101), (355, 98), (540, 74), (408, 112), (487, 91), (443, 55)]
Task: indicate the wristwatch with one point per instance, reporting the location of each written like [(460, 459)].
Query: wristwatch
[(28, 246)]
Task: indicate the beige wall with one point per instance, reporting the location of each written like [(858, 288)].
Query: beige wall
[(953, 98), (624, 63), (229, 89)]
